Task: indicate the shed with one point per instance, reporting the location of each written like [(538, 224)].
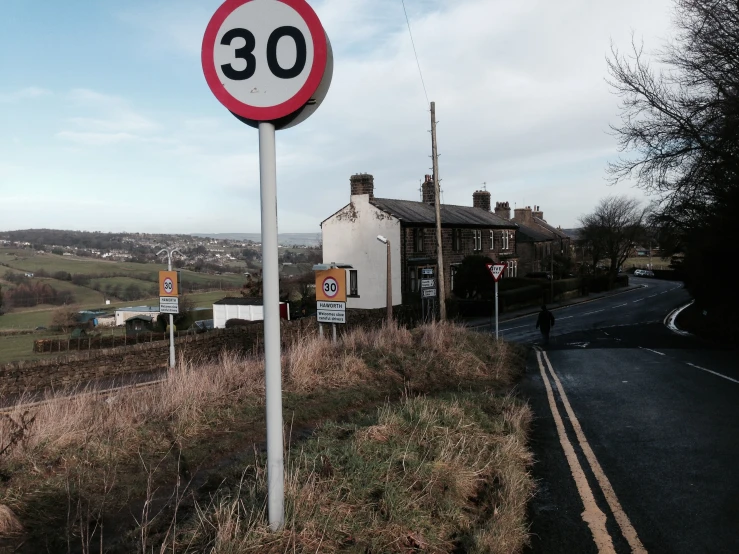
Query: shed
[(139, 324)]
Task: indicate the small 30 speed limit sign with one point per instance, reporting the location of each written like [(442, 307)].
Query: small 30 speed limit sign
[(330, 287), (168, 285), (264, 59)]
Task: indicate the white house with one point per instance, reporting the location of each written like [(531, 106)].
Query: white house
[(350, 236), (123, 314), (248, 309)]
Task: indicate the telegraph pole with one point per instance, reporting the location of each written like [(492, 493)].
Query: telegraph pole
[(437, 206)]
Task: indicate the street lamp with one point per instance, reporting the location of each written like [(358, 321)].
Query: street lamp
[(389, 291), (169, 252)]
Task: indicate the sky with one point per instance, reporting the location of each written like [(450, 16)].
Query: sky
[(107, 123)]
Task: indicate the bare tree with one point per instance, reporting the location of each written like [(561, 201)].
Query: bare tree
[(680, 132), (613, 229), (65, 318)]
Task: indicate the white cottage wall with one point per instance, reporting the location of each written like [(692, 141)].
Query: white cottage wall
[(350, 236)]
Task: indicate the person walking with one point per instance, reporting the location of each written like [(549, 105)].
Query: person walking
[(544, 323)]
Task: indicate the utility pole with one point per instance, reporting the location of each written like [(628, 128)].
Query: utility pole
[(437, 207), (551, 271), (169, 252)]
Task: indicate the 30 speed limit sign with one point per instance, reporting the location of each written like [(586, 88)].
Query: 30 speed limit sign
[(330, 287), (264, 59)]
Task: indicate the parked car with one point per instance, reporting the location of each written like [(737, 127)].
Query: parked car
[(643, 273)]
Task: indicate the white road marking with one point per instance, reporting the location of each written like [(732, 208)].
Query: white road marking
[(619, 306), (650, 350), (592, 514), (672, 316), (635, 301), (622, 519), (512, 328), (714, 372), (652, 296), (595, 312)]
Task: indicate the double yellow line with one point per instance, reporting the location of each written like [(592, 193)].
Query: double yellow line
[(592, 514)]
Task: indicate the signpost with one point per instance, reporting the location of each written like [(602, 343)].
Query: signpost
[(269, 62), (428, 293), (169, 301), (331, 297), (497, 271)]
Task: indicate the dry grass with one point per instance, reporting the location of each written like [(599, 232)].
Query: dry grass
[(432, 474), (90, 454)]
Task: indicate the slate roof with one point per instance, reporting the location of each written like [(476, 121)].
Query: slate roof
[(420, 213), (558, 233), (529, 234)]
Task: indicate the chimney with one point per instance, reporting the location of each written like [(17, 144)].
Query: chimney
[(427, 190), (538, 213), (362, 183), (522, 215), (481, 199), (503, 209)]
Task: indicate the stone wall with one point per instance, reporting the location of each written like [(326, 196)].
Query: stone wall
[(79, 368)]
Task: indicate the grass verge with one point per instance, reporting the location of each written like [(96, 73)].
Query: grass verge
[(402, 440)]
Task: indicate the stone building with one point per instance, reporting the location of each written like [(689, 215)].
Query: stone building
[(350, 236)]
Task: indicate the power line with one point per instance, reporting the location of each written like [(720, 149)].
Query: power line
[(418, 63)]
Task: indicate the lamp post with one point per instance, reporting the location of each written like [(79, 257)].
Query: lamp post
[(389, 290), (169, 252)]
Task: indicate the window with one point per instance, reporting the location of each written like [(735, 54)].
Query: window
[(492, 240), (418, 240), (513, 268), (456, 240), (413, 278), (477, 238), (353, 286), (505, 245)]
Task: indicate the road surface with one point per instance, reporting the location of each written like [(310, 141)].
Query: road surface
[(636, 434)]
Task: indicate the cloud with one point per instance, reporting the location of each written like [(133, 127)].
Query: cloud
[(116, 120), (27, 93)]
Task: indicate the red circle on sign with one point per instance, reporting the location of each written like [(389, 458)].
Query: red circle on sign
[(329, 292), (320, 54)]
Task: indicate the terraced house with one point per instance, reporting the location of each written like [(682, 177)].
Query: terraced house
[(350, 236)]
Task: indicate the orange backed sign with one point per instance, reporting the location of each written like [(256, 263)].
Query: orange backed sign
[(331, 285), (168, 283)]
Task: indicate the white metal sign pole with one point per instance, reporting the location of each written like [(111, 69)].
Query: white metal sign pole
[(171, 320), (496, 310), (271, 284)]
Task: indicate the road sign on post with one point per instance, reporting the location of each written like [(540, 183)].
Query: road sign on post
[(331, 285), (497, 271), (168, 283), (269, 62)]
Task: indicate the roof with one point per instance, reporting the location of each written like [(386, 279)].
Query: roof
[(559, 233), (408, 211), (238, 301), (145, 309), (140, 318), (530, 234)]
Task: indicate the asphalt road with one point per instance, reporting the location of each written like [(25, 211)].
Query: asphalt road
[(636, 435)]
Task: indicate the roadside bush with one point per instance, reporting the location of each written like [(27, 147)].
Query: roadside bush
[(530, 295)]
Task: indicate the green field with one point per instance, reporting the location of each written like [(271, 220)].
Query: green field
[(25, 260)]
